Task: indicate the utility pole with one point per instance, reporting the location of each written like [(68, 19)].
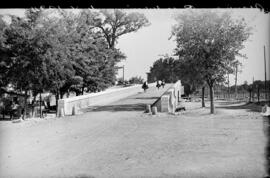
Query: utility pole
[(40, 105), (265, 88)]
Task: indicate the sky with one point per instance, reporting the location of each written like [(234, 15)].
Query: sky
[(150, 43)]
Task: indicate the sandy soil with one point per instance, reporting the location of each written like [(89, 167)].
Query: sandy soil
[(119, 140)]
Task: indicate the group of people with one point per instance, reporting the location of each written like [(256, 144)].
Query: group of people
[(158, 85)]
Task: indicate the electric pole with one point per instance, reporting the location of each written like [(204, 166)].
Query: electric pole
[(265, 88)]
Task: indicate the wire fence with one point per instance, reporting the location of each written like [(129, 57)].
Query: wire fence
[(243, 96)]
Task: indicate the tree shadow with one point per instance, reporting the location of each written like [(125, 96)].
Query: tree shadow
[(116, 108), (5, 119), (80, 176), (266, 129), (84, 176), (229, 102), (250, 107), (8, 117), (147, 98)]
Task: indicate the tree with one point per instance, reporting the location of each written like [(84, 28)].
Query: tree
[(212, 40), (248, 88), (115, 23), (105, 27), (190, 76), (3, 57), (170, 70), (90, 39), (136, 80), (58, 51), (91, 57), (59, 66), (164, 69), (23, 51)]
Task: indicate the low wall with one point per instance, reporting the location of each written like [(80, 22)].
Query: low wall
[(105, 97), (169, 100)]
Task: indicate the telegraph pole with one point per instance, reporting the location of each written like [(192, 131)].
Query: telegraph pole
[(265, 88)]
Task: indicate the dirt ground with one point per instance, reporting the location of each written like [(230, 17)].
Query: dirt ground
[(120, 140)]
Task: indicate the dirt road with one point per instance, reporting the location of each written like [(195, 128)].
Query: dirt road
[(119, 140)]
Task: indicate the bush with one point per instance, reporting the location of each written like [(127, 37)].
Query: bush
[(136, 80)]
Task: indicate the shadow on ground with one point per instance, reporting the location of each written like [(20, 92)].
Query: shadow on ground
[(250, 107), (147, 98), (228, 102), (115, 108), (84, 176), (266, 123)]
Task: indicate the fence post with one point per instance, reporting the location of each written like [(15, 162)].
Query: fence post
[(148, 108), (154, 110)]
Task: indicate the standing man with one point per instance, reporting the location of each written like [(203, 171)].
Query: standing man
[(145, 86), (163, 83), (158, 84)]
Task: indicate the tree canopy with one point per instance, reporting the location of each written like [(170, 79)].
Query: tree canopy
[(59, 51), (163, 69), (210, 42), (115, 23)]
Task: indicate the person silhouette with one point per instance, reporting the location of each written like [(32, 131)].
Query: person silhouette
[(158, 84), (145, 86), (163, 83)]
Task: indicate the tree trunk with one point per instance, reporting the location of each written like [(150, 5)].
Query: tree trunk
[(258, 94), (56, 101), (236, 71), (40, 109), (61, 95), (25, 104), (82, 90), (68, 93), (268, 96), (203, 103), (211, 89)]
